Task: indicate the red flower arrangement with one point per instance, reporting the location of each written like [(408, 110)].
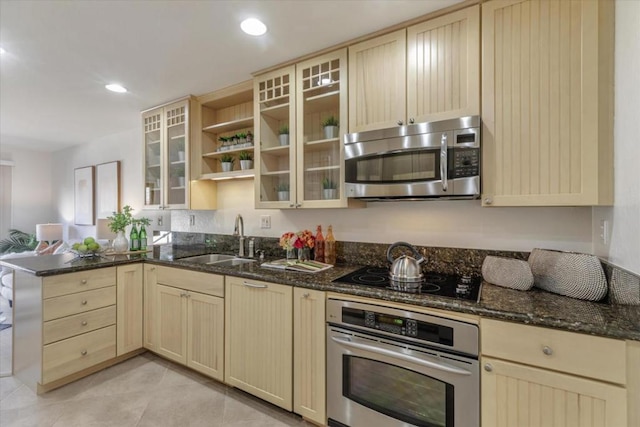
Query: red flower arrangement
[(299, 240)]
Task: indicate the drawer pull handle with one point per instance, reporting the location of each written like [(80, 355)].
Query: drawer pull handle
[(84, 302), (83, 352), (253, 285), (488, 367), (83, 281), (547, 350), (306, 295), (84, 323)]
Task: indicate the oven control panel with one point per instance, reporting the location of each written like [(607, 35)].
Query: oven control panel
[(392, 324)]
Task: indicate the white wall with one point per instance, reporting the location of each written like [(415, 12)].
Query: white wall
[(623, 241), (125, 147), (31, 196)]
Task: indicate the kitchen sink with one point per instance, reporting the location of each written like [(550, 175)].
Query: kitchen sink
[(217, 259)]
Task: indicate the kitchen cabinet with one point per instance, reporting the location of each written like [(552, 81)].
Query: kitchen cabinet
[(167, 132), (149, 309), (309, 354), (129, 302), (429, 71), (547, 103), (258, 339), (225, 113), (549, 377), (189, 319)]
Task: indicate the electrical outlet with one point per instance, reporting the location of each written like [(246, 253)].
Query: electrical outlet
[(192, 220), (159, 220), (265, 221), (604, 231)]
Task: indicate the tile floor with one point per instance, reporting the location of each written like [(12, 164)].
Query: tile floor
[(5, 338), (145, 391)]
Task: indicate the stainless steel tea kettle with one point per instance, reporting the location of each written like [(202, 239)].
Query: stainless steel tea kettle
[(405, 268)]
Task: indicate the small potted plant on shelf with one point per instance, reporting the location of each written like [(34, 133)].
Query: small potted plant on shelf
[(224, 142), (249, 138), (284, 135), (329, 189), (246, 160), (242, 138), (330, 127), (226, 160), (283, 192)]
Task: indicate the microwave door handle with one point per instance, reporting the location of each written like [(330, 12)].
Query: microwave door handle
[(401, 356), (443, 162)]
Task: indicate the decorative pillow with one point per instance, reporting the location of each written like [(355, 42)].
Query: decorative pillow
[(566, 273), (507, 272)]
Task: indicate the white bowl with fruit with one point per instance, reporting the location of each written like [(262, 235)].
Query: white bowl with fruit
[(87, 248)]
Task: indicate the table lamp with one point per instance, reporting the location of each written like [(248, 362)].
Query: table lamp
[(49, 237)]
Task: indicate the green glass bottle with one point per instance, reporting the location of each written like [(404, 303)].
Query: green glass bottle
[(143, 238), (134, 238)]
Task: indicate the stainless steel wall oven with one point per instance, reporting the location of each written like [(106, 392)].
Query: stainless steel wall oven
[(394, 368)]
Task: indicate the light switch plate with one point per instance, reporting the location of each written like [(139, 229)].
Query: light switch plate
[(265, 221)]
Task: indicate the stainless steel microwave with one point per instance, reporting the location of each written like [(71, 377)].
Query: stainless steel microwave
[(415, 162)]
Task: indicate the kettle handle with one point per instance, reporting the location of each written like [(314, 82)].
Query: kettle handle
[(419, 257)]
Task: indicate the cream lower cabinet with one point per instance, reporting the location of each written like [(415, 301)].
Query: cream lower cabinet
[(258, 339), (534, 376), (129, 295), (188, 325), (547, 103), (309, 354), (149, 312)]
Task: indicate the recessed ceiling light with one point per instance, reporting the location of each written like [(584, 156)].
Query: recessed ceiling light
[(114, 87), (2, 51), (253, 27)]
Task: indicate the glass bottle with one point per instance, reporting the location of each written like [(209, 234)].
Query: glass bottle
[(134, 238), (143, 238), (330, 247), (318, 252)]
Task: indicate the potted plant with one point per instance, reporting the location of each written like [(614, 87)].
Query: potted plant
[(330, 127), (224, 141), (242, 137), (226, 160), (283, 192), (179, 172), (284, 135), (118, 222), (246, 160), (329, 189)]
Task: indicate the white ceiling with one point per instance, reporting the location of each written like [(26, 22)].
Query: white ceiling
[(60, 54)]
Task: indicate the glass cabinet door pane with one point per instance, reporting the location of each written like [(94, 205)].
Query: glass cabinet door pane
[(152, 159), (175, 155)]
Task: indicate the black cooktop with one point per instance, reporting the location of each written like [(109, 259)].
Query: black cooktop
[(446, 285)]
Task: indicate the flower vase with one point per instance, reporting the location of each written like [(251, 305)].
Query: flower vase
[(291, 254), (304, 254), (120, 244)]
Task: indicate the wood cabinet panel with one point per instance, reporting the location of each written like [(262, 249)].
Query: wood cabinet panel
[(67, 305), (129, 298), (204, 283), (150, 309), (547, 102), (205, 330), (518, 395), (59, 329), (171, 317), (64, 284)]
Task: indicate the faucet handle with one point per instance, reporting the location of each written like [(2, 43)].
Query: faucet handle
[(260, 253)]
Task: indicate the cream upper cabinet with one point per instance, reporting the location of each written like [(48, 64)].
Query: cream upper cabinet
[(129, 302), (429, 71), (167, 133), (258, 339), (547, 103), (443, 67), (275, 133), (537, 376), (309, 354), (377, 82)]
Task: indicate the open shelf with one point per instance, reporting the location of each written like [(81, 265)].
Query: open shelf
[(276, 173), (229, 126), (215, 154), (277, 112), (247, 173)]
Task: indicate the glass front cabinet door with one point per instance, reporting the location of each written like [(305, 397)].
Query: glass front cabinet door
[(166, 167)]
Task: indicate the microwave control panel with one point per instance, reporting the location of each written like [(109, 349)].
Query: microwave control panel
[(466, 162)]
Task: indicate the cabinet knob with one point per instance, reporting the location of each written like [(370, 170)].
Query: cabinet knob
[(84, 323), (84, 302), (400, 122), (547, 350), (152, 269), (291, 205), (488, 367), (488, 201), (412, 121), (182, 295), (298, 205), (83, 352), (83, 281), (306, 295)]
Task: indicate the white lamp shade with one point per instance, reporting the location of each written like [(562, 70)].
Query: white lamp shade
[(103, 232), (48, 232)]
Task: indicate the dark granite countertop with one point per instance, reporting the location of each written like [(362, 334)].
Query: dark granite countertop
[(534, 307)]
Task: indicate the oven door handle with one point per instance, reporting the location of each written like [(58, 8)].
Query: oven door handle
[(443, 162), (406, 357)]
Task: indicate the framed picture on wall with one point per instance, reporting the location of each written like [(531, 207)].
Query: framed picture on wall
[(107, 189), (83, 191)]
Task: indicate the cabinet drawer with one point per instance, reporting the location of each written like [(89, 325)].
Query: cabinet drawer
[(54, 308), (65, 284), (205, 283), (75, 354), (569, 352), (59, 329)]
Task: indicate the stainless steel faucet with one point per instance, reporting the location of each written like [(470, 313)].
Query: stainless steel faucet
[(239, 231)]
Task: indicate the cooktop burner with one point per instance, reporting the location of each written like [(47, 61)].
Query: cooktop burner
[(447, 285)]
